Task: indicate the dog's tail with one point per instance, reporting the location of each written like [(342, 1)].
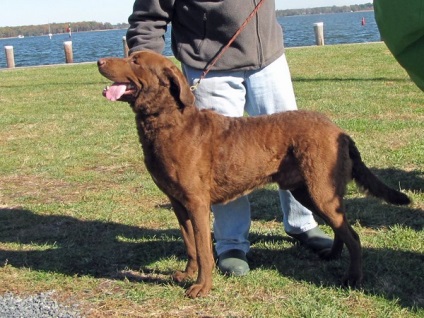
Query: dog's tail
[(369, 182)]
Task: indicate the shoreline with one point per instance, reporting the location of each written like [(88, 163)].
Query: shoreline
[(171, 56)]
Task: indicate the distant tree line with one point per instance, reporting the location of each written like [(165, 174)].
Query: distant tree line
[(320, 10), (57, 28)]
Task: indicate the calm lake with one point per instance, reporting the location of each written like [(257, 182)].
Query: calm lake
[(339, 28)]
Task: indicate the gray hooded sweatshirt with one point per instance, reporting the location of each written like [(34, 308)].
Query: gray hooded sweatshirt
[(200, 28)]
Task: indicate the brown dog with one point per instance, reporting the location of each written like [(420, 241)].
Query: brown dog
[(198, 158)]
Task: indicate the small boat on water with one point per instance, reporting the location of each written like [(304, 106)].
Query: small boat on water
[(20, 36)]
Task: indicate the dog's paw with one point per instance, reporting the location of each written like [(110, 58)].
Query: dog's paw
[(179, 276), (353, 280), (198, 290), (330, 254)]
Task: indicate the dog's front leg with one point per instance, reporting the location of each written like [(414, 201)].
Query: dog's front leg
[(199, 214), (188, 238)]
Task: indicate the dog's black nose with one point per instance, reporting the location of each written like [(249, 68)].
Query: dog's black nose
[(101, 62)]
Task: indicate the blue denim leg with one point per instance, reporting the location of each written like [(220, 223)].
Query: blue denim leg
[(296, 218), (231, 225), (270, 90)]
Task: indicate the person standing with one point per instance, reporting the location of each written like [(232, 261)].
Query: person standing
[(251, 76)]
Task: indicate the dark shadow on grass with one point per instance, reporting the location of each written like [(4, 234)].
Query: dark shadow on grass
[(406, 180), (373, 213), (75, 247), (265, 205), (393, 274), (72, 247)]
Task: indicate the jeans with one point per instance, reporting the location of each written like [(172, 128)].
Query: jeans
[(231, 93)]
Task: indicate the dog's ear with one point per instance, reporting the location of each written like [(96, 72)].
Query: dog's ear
[(176, 77)]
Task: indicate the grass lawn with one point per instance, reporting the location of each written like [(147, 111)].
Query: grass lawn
[(80, 215)]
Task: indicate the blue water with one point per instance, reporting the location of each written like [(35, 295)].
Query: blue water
[(89, 46), (339, 28)]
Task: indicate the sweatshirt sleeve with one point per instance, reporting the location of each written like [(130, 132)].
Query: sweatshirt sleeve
[(148, 24)]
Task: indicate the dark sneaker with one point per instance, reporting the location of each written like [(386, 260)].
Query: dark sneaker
[(315, 239), (233, 262)]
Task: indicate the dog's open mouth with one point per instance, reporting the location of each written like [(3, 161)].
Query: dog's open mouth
[(120, 92)]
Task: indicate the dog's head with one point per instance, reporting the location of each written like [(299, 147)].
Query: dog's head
[(143, 77)]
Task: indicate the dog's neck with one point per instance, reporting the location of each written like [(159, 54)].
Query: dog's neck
[(161, 120)]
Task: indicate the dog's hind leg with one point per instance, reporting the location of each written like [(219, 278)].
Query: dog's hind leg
[(331, 208), (302, 195), (188, 238), (325, 199), (353, 277)]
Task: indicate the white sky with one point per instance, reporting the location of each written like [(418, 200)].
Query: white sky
[(32, 12)]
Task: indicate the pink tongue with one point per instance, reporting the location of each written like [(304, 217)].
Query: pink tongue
[(115, 91)]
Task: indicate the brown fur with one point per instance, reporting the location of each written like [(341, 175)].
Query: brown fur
[(198, 158)]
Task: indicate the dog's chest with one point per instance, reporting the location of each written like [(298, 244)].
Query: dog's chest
[(163, 173)]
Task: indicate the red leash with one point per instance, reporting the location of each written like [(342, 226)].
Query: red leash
[(222, 51)]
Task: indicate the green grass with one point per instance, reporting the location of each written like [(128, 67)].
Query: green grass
[(80, 215)]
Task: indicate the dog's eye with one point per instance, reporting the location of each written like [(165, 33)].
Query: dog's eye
[(135, 60)]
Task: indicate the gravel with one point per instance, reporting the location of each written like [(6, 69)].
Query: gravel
[(35, 306)]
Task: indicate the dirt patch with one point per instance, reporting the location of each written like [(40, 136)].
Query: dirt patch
[(36, 189)]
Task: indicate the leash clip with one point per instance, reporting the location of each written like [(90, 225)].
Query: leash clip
[(194, 87)]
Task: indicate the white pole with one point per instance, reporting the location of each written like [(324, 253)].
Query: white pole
[(124, 42), (319, 33), (10, 58), (69, 55)]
